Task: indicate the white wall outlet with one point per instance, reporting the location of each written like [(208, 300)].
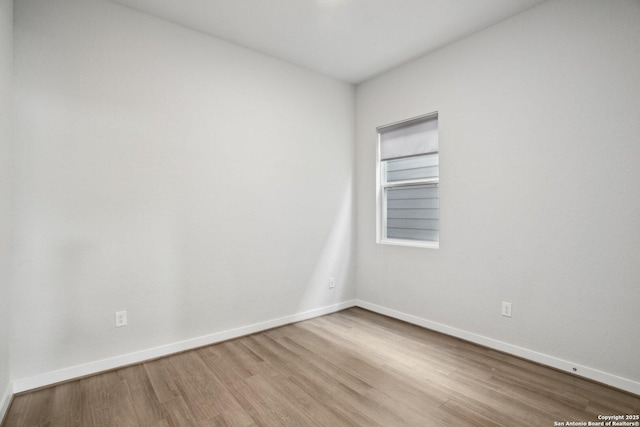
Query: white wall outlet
[(506, 309), (332, 282), (121, 318)]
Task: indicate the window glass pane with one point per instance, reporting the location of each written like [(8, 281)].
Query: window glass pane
[(412, 212), (412, 168)]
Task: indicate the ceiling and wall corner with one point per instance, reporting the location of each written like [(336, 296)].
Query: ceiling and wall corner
[(350, 40)]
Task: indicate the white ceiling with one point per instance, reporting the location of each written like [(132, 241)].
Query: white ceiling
[(351, 40)]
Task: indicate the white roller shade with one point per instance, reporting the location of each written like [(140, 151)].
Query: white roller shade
[(410, 139)]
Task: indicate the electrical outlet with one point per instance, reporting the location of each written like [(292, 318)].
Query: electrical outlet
[(506, 309), (332, 282), (121, 319)]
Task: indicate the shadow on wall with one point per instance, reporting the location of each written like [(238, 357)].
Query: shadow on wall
[(334, 261)]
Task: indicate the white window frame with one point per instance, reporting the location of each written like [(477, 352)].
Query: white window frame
[(381, 185)]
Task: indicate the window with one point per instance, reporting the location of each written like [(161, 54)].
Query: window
[(408, 180)]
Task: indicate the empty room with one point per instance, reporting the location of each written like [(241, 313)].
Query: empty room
[(319, 213)]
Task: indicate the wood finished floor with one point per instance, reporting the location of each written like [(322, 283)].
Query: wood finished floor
[(352, 368)]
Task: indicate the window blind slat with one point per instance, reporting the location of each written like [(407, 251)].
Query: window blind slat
[(414, 192), (413, 203), (421, 235), (412, 162), (413, 223), (413, 213), (417, 173)]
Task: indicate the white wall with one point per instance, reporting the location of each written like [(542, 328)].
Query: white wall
[(198, 185), (540, 146), (6, 65)]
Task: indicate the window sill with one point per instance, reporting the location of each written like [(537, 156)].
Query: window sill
[(413, 243)]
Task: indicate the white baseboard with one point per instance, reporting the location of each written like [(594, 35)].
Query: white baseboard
[(78, 371), (5, 400), (544, 359)]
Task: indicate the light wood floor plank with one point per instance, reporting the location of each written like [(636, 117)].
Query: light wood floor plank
[(161, 380), (147, 407), (67, 407), (178, 413)]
